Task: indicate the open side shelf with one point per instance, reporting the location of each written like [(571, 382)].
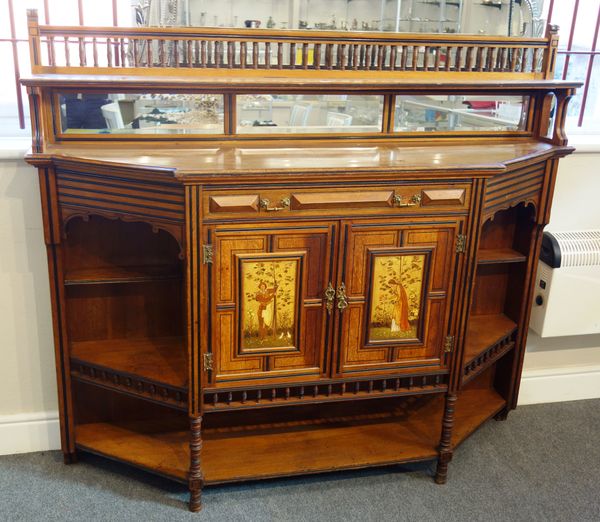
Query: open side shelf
[(489, 256), (150, 368), (489, 337), (371, 435), (121, 274), (150, 445)]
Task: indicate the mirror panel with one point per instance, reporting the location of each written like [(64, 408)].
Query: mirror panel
[(308, 114), (100, 113), (457, 113)]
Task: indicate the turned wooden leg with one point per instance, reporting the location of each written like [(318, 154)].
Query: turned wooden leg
[(445, 448), (196, 479), (70, 458)]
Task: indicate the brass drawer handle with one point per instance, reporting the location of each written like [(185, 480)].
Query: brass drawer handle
[(329, 298), (342, 300), (414, 201), (283, 204)]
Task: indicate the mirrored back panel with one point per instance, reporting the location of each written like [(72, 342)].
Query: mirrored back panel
[(308, 113), (101, 113), (442, 113)]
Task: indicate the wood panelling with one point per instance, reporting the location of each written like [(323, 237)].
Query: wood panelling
[(121, 195), (443, 197), (363, 200), (521, 185), (234, 203), (358, 199)]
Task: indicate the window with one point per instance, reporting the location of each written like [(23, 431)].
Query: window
[(14, 46), (579, 22)]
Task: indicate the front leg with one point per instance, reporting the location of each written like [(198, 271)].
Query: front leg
[(196, 479), (445, 448)]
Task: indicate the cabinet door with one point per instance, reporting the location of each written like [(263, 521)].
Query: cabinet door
[(397, 279), (267, 313)]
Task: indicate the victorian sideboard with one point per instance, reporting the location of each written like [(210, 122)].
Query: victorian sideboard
[(275, 253)]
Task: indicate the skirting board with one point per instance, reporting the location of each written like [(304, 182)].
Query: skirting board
[(27, 432), (559, 384)]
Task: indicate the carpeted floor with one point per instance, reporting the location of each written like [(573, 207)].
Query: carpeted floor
[(543, 464)]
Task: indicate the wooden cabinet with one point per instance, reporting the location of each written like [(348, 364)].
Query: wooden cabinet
[(237, 305)]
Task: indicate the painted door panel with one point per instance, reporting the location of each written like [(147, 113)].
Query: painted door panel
[(397, 279), (268, 319)]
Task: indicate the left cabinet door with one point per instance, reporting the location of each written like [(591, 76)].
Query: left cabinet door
[(267, 307)]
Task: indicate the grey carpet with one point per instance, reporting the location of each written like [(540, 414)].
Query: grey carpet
[(543, 464)]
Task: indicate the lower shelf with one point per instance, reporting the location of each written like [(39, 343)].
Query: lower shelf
[(237, 452), (147, 445)]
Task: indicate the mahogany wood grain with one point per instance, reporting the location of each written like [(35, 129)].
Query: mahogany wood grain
[(388, 159)]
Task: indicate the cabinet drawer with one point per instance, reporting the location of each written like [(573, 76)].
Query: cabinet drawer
[(356, 201)]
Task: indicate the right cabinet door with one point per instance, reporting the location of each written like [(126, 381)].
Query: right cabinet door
[(394, 294)]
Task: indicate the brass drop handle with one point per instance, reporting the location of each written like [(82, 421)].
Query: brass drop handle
[(283, 204), (329, 298), (342, 300), (414, 201)]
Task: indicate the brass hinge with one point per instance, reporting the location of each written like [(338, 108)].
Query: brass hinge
[(208, 362), (449, 344), (207, 254), (461, 243)]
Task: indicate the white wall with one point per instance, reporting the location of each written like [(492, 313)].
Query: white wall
[(555, 369), (567, 368), (28, 405)]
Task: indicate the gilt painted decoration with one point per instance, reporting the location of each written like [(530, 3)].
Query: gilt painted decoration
[(268, 310), (397, 285)]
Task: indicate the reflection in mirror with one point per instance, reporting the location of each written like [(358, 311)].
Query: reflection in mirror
[(297, 113), (460, 113), (92, 113)]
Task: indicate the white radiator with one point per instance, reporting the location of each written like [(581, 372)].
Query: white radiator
[(567, 293)]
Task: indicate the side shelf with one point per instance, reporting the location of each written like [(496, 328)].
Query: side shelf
[(489, 337), (124, 296), (499, 288), (152, 368)]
